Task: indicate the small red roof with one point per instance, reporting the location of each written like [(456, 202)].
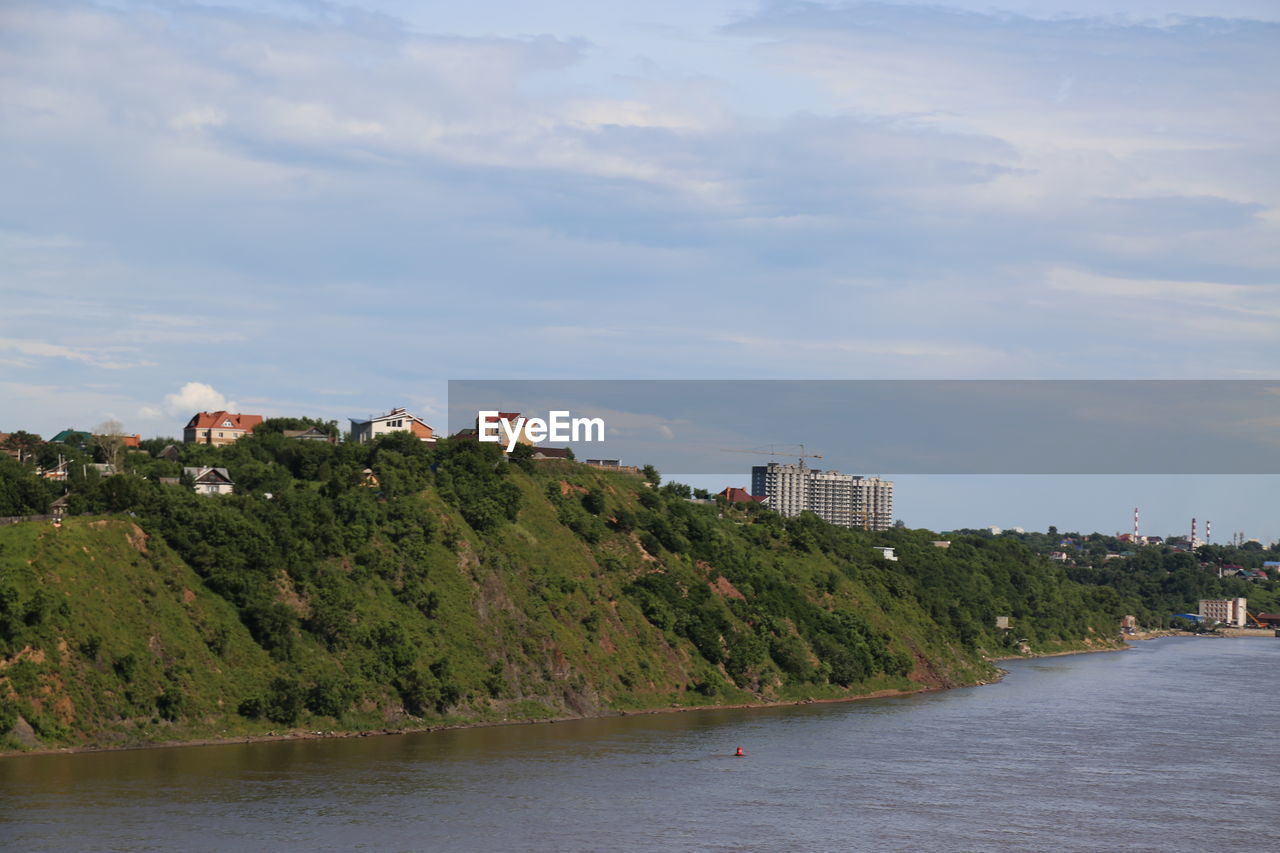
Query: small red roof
[(736, 495)]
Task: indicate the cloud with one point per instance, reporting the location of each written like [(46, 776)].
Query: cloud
[(193, 397), (345, 209), (105, 358)]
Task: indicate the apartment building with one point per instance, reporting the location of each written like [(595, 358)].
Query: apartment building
[(1230, 611), (846, 500)]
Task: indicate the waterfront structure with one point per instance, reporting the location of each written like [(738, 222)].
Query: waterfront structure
[(396, 420), (846, 500), (1231, 611), (218, 428)]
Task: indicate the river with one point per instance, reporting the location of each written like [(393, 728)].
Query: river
[(1171, 746)]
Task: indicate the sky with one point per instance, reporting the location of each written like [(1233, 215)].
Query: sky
[(306, 208)]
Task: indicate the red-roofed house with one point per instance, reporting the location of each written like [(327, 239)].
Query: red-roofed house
[(491, 426), (218, 428), (735, 495)]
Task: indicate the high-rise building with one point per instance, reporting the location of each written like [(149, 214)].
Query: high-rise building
[(846, 500)]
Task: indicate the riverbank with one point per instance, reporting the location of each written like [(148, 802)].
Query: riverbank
[(305, 734), (1086, 651)]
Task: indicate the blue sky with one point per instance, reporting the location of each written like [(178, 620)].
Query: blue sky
[(310, 208)]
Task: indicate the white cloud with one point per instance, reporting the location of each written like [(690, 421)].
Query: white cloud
[(106, 358), (195, 397)]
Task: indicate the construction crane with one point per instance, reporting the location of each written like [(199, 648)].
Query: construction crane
[(787, 450)]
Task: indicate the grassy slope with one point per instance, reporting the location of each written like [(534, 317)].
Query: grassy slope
[(112, 639)]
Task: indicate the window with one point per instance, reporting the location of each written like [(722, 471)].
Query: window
[(226, 423)]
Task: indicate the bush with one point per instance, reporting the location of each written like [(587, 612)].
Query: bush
[(284, 701), (172, 704), (330, 697)]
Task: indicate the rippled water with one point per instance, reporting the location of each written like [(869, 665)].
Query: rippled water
[(1170, 746)]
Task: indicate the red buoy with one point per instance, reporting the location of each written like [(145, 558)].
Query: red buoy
[(739, 753)]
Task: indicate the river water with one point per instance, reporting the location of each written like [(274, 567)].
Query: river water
[(1172, 746)]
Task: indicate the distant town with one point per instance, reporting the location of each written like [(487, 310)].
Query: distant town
[(845, 500)]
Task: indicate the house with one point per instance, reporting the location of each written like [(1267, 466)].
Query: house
[(502, 425), (369, 480), (57, 473), (104, 469), (218, 428), (210, 481), (396, 420), (613, 465), (552, 453), (76, 437), (170, 452), (737, 495), (313, 434), (887, 553), (59, 507)]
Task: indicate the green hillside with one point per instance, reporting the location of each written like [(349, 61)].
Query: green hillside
[(456, 586)]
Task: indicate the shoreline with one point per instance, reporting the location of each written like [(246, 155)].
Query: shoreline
[(304, 734)]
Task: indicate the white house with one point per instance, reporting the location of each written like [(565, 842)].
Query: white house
[(211, 481), (396, 420)]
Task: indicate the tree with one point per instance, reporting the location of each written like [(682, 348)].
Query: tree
[(21, 491), (24, 442), (651, 475), (108, 436)]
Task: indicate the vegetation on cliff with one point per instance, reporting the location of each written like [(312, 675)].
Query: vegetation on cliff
[(397, 584)]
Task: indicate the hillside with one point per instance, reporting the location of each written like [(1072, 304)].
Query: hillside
[(453, 586)]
